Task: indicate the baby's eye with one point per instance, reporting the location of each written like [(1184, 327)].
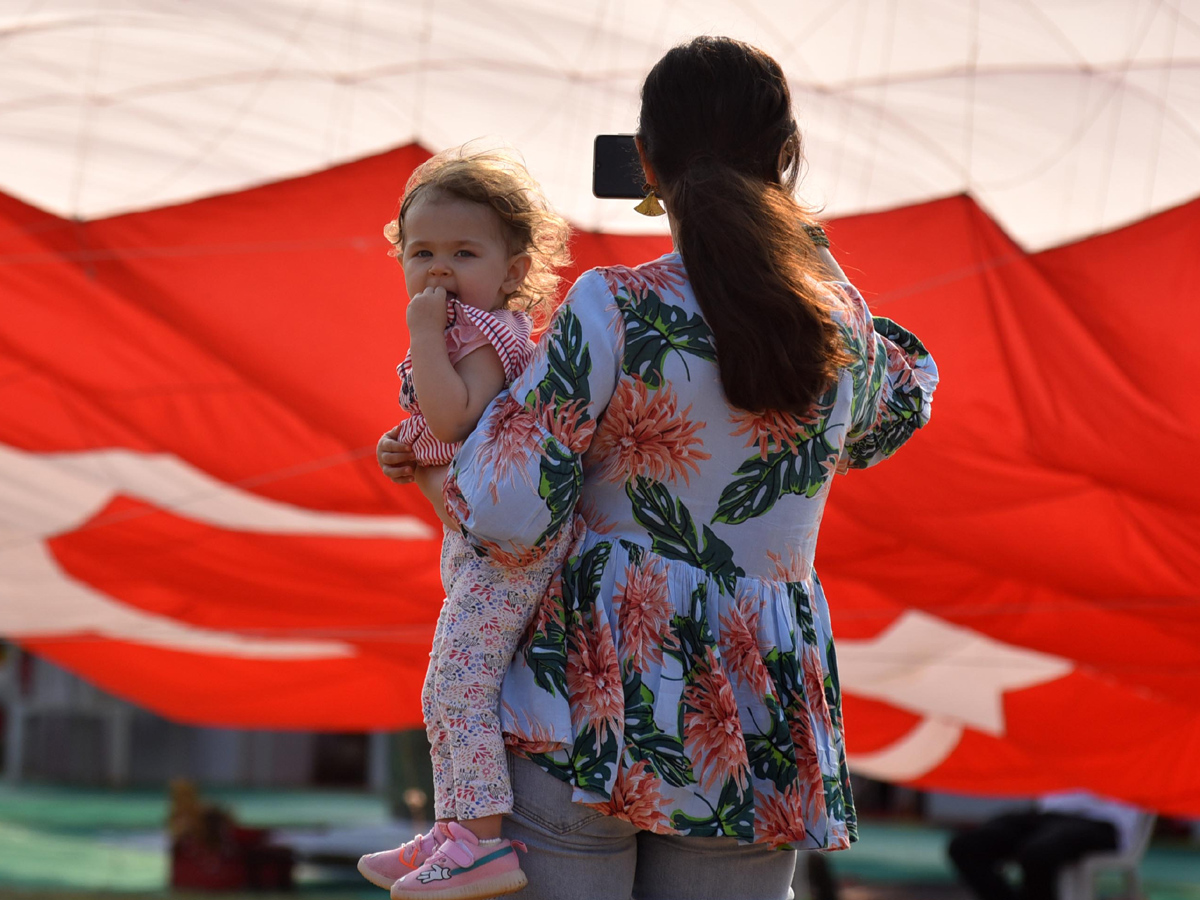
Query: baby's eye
[(423, 254), (464, 253)]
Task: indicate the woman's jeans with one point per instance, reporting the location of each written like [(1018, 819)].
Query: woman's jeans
[(576, 853)]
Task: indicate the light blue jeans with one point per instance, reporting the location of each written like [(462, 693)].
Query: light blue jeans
[(576, 853)]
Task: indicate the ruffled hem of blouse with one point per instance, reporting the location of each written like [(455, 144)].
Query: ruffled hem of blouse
[(682, 708)]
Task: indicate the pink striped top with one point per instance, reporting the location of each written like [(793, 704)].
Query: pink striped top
[(467, 329)]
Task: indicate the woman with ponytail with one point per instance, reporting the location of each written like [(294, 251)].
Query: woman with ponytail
[(673, 714)]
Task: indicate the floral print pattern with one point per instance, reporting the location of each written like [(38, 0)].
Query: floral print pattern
[(680, 671)]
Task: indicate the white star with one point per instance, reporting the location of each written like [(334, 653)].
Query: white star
[(951, 676)]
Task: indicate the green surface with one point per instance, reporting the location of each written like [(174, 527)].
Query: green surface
[(62, 844), (72, 809), (65, 838)]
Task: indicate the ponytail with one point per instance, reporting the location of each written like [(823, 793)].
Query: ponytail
[(717, 127), (752, 269)]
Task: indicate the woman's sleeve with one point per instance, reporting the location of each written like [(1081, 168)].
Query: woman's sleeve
[(517, 478), (893, 379)]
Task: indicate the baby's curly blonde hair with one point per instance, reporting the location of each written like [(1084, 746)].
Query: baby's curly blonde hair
[(528, 224)]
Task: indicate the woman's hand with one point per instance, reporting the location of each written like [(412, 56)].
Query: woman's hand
[(397, 460)]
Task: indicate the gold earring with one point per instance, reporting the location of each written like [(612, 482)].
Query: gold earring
[(650, 206)]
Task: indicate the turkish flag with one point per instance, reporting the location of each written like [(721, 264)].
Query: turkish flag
[(191, 515)]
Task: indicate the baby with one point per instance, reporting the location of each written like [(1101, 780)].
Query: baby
[(480, 248)]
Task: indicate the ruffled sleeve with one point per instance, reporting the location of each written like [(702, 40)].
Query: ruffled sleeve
[(517, 478), (893, 379)]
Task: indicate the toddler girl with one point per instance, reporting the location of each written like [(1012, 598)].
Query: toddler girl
[(479, 246)]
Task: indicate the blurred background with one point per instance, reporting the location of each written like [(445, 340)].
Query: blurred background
[(215, 611)]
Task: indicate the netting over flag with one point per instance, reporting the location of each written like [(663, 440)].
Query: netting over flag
[(200, 327)]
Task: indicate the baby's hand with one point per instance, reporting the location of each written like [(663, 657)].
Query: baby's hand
[(427, 311)]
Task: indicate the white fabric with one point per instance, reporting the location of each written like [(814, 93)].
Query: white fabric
[(1124, 818), (1062, 118)]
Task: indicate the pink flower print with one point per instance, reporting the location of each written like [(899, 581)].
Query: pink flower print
[(662, 276), (528, 737), (637, 798), (643, 613), (773, 430), (564, 423), (644, 433), (814, 684), (739, 643), (778, 818), (550, 612), (902, 376), (712, 728), (510, 437), (456, 503), (517, 558), (594, 686), (797, 567)]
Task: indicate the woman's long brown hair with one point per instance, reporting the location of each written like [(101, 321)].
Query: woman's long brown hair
[(716, 125)]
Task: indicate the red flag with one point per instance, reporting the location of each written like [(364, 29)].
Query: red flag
[(191, 515)]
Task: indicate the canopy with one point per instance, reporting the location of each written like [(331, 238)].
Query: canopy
[(190, 392)]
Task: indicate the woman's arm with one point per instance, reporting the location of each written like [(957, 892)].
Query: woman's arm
[(516, 479), (893, 378), (452, 397), (399, 463)]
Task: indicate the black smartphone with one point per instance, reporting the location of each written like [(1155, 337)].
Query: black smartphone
[(616, 169)]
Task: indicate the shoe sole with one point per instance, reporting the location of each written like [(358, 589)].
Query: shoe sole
[(506, 883), (375, 878)]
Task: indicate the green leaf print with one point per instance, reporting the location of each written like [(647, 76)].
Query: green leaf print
[(546, 656), (691, 636), (550, 765), (833, 688), (784, 669), (560, 485), (594, 766), (636, 552), (581, 577), (662, 752), (653, 329), (762, 482), (772, 757), (568, 364), (673, 532), (902, 338), (732, 817), (835, 803), (858, 373), (847, 795), (804, 613)]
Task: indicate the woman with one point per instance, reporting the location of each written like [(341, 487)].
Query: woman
[(674, 714)]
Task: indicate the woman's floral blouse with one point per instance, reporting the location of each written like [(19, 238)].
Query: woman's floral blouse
[(680, 672)]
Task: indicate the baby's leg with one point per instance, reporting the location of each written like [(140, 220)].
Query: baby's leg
[(489, 609), (435, 730)]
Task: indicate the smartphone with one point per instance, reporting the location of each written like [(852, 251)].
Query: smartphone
[(616, 169)]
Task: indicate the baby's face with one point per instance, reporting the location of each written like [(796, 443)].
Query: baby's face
[(457, 245)]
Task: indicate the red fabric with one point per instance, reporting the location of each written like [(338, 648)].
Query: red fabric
[(1048, 506)]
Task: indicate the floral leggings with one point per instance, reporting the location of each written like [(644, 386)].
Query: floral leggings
[(487, 610)]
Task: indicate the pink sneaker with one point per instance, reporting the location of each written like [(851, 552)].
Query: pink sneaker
[(384, 868), (464, 869)]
